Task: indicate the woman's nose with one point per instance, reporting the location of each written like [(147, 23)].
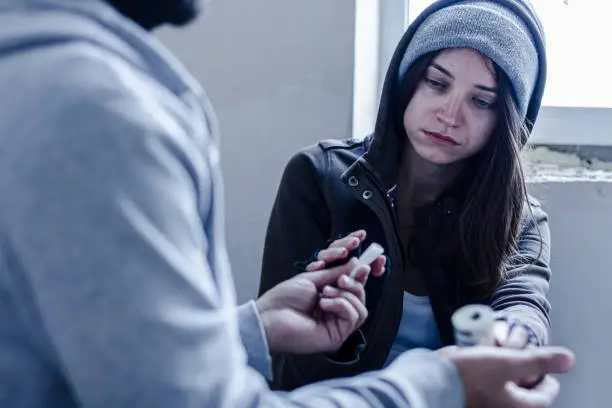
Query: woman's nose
[(450, 111)]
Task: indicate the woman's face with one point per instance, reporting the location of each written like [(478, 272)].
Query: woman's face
[(452, 112)]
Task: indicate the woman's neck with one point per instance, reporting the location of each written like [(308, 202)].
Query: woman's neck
[(421, 182)]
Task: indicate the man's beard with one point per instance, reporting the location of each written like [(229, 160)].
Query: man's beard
[(153, 13)]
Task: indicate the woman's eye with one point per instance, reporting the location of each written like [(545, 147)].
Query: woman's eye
[(435, 84), (483, 103)]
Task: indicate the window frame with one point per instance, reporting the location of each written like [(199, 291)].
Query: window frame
[(379, 24)]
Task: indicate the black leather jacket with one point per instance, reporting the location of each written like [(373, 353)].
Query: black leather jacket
[(338, 186)]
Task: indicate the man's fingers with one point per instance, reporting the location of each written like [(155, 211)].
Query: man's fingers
[(349, 284), (377, 268), (448, 351), (362, 273), (538, 361), (356, 304), (541, 396), (329, 276), (341, 308)]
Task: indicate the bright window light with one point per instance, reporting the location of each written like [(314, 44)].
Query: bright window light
[(575, 32)]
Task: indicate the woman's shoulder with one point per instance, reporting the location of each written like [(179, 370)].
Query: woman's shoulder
[(533, 211), (534, 225), (350, 144), (331, 146), (328, 155), (533, 201)]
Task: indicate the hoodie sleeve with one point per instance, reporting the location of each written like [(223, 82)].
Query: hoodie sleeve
[(252, 336), (522, 297), (104, 211)]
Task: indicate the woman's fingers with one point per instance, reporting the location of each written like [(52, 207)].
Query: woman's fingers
[(337, 250)]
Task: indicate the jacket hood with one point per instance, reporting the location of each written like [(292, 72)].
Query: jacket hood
[(385, 146)]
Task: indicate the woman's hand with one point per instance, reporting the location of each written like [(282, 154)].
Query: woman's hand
[(340, 249)]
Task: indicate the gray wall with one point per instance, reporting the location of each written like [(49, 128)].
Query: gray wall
[(581, 224), (280, 75)]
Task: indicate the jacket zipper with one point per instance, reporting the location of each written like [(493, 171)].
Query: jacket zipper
[(390, 217)]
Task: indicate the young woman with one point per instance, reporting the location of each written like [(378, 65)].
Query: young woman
[(438, 184)]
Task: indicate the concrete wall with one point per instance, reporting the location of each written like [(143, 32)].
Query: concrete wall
[(581, 225), (280, 75)]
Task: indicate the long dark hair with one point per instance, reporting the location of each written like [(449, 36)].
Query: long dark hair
[(482, 233)]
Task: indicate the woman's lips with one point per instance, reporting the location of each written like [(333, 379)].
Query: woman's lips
[(441, 139)]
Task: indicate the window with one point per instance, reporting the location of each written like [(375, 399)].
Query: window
[(577, 104)]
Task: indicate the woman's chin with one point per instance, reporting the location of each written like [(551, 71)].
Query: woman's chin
[(436, 155)]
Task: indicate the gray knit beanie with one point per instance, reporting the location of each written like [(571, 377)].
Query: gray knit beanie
[(489, 28)]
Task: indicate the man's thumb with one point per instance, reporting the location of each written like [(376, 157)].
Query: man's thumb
[(540, 361), (330, 276)]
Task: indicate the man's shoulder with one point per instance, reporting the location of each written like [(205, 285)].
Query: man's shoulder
[(64, 55), (80, 97), (73, 85), (71, 71)]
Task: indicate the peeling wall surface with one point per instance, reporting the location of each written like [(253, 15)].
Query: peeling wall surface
[(542, 164)]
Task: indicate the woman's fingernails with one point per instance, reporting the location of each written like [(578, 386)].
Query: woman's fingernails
[(314, 266)]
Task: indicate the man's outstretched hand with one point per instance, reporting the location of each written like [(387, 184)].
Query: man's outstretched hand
[(490, 375)]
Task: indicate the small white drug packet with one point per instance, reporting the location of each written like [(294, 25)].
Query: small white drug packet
[(473, 326), (368, 256)]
